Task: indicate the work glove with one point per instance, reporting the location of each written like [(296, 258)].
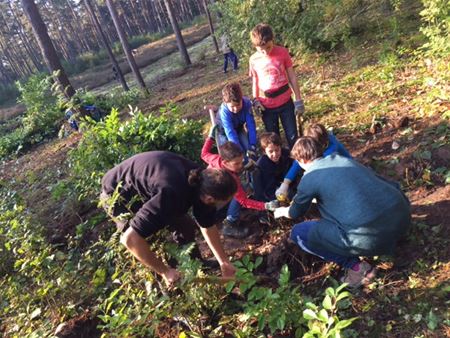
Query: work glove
[(299, 107), (272, 205), (212, 131), (282, 192), (281, 212), (257, 106)]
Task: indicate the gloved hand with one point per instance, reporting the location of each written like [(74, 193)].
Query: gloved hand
[(272, 205), (251, 153), (282, 192), (212, 131), (281, 212), (257, 106), (299, 107)]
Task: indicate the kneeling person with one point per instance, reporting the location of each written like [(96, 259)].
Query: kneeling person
[(362, 213), (158, 188)]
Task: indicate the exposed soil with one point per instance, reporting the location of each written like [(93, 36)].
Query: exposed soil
[(201, 83)]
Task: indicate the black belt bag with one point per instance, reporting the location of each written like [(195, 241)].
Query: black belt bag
[(277, 92)]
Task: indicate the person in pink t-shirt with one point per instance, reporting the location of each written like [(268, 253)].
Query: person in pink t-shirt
[(274, 81)]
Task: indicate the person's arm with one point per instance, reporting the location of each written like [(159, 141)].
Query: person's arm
[(212, 238), (292, 78), (230, 132), (243, 200), (338, 147), (251, 125), (301, 201), (293, 172), (139, 248), (207, 156)]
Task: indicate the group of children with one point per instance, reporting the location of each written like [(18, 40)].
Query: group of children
[(361, 213)]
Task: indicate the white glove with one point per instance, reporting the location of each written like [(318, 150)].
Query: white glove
[(281, 212), (282, 190)]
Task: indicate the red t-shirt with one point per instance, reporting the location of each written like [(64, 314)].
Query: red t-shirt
[(270, 74)]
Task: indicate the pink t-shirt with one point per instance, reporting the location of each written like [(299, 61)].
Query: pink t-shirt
[(270, 74)]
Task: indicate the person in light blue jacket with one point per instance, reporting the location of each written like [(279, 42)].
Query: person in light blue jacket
[(329, 144), (362, 214)]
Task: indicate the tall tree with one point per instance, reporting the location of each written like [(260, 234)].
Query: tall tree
[(176, 29), (125, 45), (106, 44), (46, 45), (211, 27)]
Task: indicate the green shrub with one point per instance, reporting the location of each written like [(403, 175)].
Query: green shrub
[(116, 98), (109, 142), (436, 26)]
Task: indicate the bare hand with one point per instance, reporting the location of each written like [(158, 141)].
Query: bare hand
[(171, 276)]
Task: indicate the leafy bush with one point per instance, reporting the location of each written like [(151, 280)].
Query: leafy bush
[(114, 99), (111, 141), (436, 26)]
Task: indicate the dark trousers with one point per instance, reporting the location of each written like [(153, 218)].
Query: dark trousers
[(232, 57), (286, 114)]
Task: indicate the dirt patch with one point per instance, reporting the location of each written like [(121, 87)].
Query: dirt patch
[(11, 112), (84, 326)]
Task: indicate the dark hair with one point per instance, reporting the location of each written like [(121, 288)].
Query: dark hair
[(217, 183), (306, 149), (230, 151), (269, 138), (232, 92), (319, 133), (261, 34)]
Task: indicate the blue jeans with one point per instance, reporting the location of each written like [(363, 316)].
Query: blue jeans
[(299, 235), (243, 138), (287, 116), (234, 209), (233, 58)]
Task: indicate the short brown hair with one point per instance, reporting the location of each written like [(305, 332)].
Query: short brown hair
[(319, 133), (269, 138), (306, 149), (261, 34), (232, 92), (230, 151)]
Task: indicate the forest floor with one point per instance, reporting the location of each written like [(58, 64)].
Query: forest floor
[(374, 110)]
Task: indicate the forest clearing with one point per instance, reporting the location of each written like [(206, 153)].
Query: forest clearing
[(381, 85)]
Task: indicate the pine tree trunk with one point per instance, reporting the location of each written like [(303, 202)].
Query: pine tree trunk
[(125, 45), (176, 30), (211, 27), (46, 45), (105, 43)]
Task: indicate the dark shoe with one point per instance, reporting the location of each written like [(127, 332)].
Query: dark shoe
[(232, 229)]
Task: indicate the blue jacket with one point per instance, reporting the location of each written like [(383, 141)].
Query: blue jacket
[(362, 214), (232, 122), (334, 146)]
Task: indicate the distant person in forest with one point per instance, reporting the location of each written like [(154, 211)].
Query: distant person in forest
[(362, 213), (327, 141), (156, 189), (273, 81), (228, 53)]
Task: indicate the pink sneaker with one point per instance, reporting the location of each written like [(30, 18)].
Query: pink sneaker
[(365, 274)]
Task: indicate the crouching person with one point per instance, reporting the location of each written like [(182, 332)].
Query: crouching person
[(362, 213), (158, 188)]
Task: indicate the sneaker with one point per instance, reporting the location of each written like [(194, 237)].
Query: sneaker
[(365, 274), (232, 229)]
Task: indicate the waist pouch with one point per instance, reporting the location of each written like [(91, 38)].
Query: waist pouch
[(277, 92)]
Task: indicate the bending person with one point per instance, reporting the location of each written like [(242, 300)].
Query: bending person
[(157, 189), (362, 213)]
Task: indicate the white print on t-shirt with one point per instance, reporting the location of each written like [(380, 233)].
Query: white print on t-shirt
[(273, 75)]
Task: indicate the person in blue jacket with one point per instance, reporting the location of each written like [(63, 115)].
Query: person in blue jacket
[(328, 142), (362, 214), (236, 121)]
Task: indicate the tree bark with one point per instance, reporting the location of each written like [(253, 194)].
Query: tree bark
[(46, 45), (176, 30), (125, 45), (211, 27), (106, 44)]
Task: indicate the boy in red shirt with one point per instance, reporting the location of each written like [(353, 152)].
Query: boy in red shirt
[(274, 80), (232, 159)]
